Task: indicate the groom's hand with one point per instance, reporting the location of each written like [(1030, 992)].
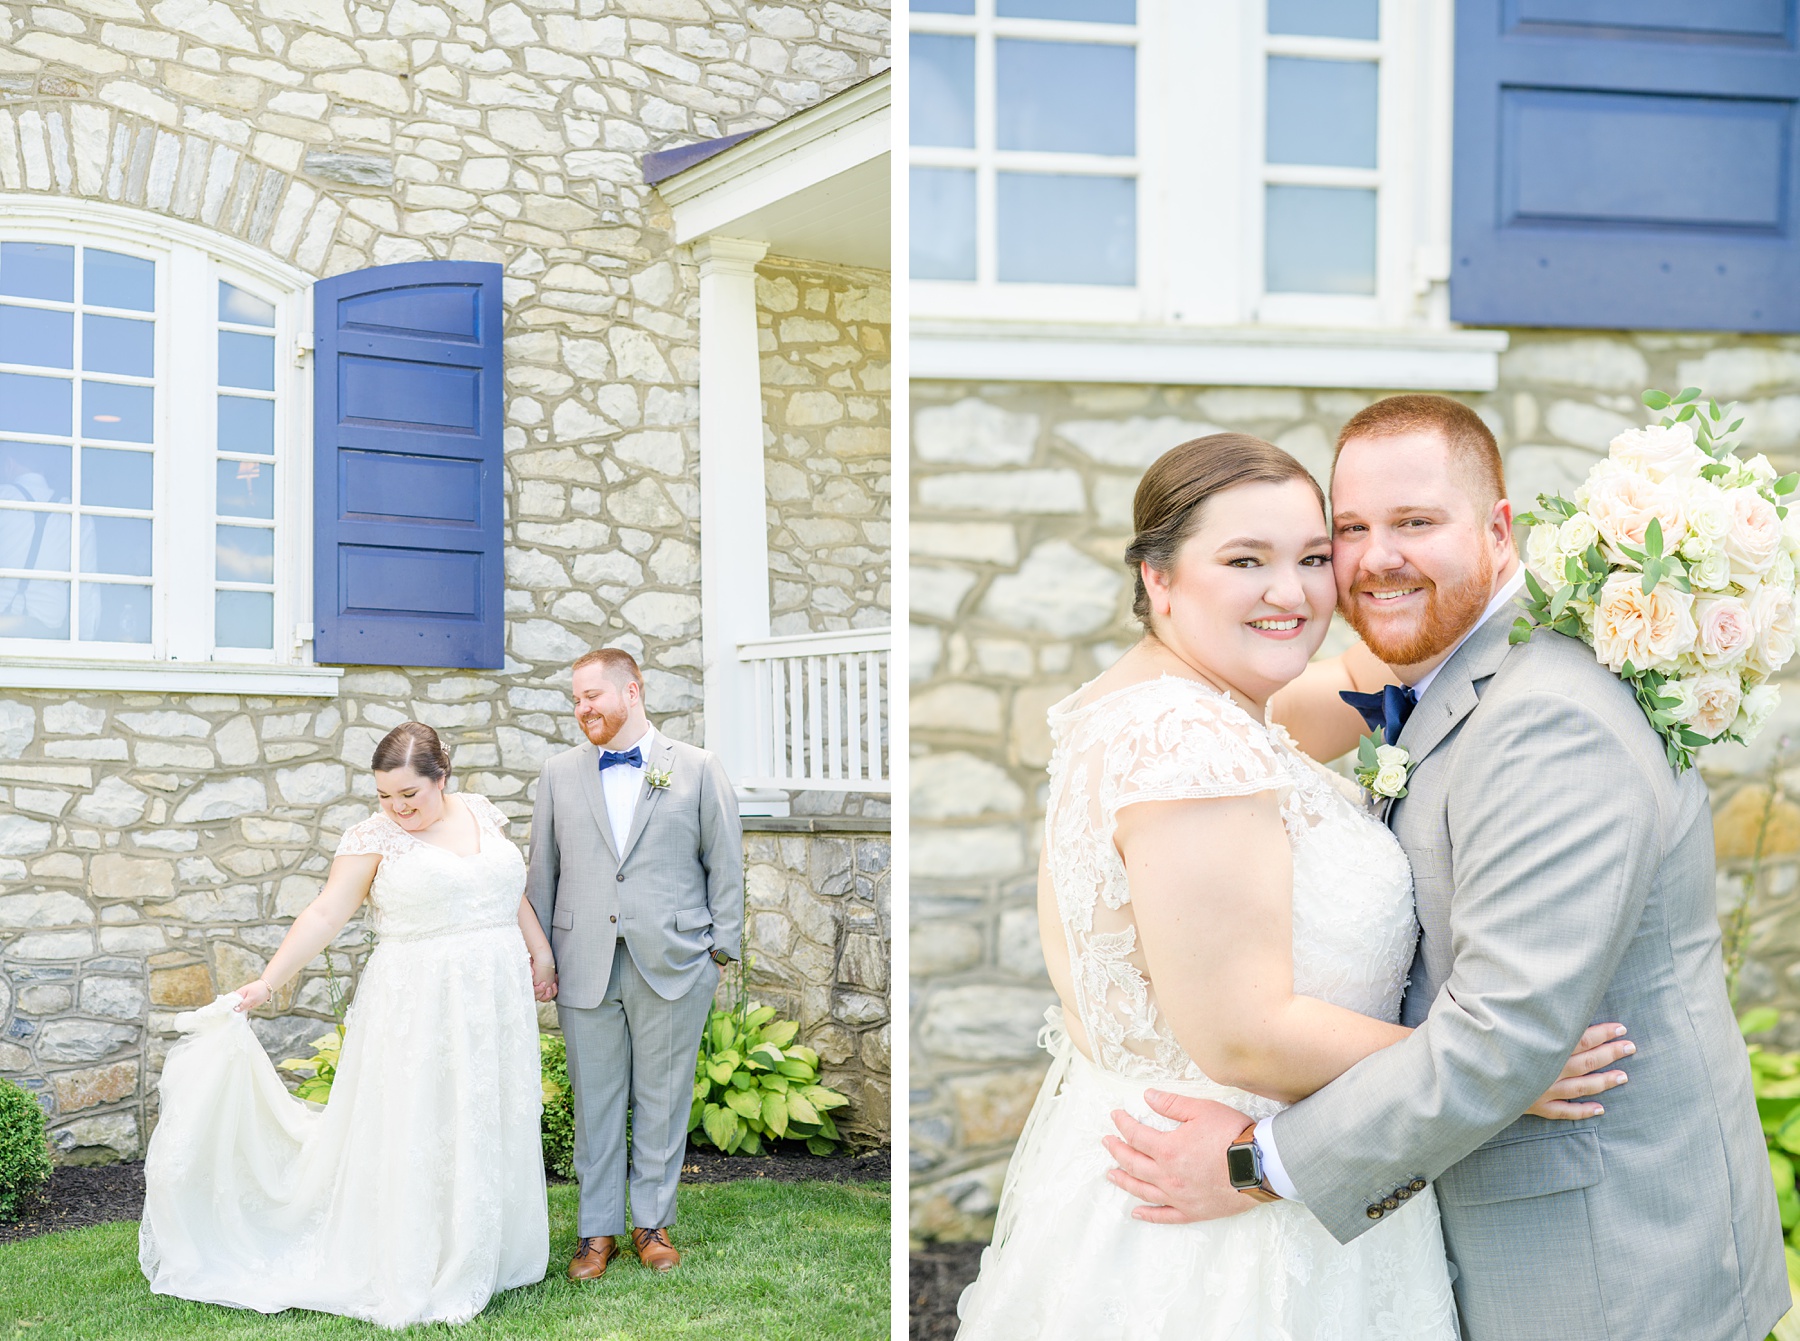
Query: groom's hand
[(1180, 1173)]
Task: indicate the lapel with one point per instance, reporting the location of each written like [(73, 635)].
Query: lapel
[(1452, 696), (662, 757), (596, 799)]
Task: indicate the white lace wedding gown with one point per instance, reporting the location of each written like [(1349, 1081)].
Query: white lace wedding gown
[(418, 1191), (1068, 1261)]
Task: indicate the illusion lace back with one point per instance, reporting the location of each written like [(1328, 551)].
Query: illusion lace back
[(1068, 1259), (417, 1192)]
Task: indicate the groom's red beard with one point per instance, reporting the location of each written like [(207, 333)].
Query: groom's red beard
[(1449, 613), (601, 727)]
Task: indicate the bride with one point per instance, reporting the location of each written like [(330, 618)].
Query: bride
[(1221, 919), (417, 1192)]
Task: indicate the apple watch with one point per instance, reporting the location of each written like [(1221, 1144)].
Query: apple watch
[(1244, 1167), (720, 958)]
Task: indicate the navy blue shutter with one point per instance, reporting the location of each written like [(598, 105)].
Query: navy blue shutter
[(1627, 163), (407, 480)]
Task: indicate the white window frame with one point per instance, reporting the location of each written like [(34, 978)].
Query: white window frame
[(181, 655), (1201, 173)]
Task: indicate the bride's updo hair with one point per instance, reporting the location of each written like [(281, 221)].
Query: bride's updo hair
[(416, 744), (1173, 492)]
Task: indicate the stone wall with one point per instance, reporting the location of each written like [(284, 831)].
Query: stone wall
[(825, 336), (152, 846), (1021, 509)]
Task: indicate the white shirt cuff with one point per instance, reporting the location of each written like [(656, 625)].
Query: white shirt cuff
[(1264, 1136)]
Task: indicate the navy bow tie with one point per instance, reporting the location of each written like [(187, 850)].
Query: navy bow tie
[(1387, 711), (634, 757)]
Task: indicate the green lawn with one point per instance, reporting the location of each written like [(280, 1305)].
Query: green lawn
[(760, 1259)]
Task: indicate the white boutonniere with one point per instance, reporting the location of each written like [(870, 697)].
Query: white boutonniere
[(1382, 770), (657, 778)]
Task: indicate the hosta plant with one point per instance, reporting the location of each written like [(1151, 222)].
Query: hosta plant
[(24, 1153), (320, 1069), (753, 1086)]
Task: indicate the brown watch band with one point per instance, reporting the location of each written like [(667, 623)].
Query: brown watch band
[(1262, 1191)]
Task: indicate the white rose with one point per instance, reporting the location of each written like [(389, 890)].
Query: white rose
[(1781, 574), (1715, 697), (1761, 470), (1651, 632), (1390, 781), (1754, 712), (1390, 756), (1575, 535), (1543, 555), (1712, 572), (1790, 530), (1603, 469), (1623, 506), (1772, 614), (1708, 509), (1684, 705), (1724, 630), (1755, 533), (1659, 452)]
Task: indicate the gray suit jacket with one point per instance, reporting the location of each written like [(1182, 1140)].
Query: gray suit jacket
[(675, 893), (1564, 876)]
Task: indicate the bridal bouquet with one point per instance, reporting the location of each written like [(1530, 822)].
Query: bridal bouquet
[(1675, 562)]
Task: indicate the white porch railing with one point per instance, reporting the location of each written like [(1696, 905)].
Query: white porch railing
[(821, 711)]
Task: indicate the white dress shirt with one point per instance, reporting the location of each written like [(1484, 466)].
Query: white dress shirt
[(622, 785), (1265, 1131)]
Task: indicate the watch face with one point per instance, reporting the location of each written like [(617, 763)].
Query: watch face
[(1240, 1165)]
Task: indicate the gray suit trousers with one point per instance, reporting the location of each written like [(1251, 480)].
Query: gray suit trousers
[(633, 1051)]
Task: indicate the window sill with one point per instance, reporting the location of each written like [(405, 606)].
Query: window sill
[(171, 678), (1383, 360)]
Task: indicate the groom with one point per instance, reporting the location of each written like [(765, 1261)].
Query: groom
[(1564, 875), (637, 873)]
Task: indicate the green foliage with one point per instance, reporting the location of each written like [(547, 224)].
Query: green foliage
[(320, 1069), (754, 1085), (559, 1107), (1775, 1078), (24, 1151)]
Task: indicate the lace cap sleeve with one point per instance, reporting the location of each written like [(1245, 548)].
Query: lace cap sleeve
[(375, 836), (1187, 743), (486, 813)]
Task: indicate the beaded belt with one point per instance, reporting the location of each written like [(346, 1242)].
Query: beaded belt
[(384, 938)]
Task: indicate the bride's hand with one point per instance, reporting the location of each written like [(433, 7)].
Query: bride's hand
[(251, 995), (1586, 1074), (543, 977)]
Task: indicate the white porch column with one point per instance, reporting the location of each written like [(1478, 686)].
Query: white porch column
[(734, 528)]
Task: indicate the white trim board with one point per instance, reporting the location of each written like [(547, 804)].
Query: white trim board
[(1230, 356), (171, 678)]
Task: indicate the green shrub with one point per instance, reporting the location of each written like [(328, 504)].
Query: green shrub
[(1775, 1076), (24, 1151), (559, 1107), (753, 1084), (320, 1069)]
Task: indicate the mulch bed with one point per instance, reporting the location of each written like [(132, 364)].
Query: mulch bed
[(938, 1273), (94, 1196)]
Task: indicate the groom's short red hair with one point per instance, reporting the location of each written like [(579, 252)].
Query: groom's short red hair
[(1473, 451), (618, 664)]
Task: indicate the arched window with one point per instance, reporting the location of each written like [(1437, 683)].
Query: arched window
[(153, 414)]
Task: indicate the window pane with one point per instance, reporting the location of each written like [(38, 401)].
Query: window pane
[(118, 545), (943, 90), (111, 479), (115, 614), (1326, 18), (244, 308), (34, 472), (244, 619), (35, 404), (37, 270), (942, 7), (245, 554), (1319, 239), (1321, 112), (119, 413), (1084, 11), (1067, 229), (33, 336), (943, 223), (118, 345), (247, 360), (35, 540), (246, 489), (30, 609), (1065, 97), (111, 280), (246, 425)]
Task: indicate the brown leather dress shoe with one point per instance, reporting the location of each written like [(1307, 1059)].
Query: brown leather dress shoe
[(591, 1257), (654, 1249)]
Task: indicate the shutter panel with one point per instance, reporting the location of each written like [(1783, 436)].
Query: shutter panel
[(1627, 163), (407, 480)]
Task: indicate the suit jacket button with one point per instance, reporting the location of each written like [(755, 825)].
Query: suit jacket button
[(1390, 1203), (1375, 1212), (620, 877), (613, 918), (1417, 1184), (1403, 1193)]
